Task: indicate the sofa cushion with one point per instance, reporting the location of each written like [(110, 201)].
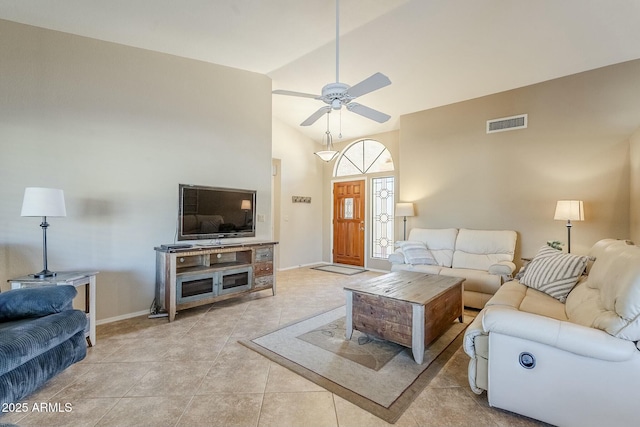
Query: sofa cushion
[(24, 379), (554, 272), (441, 242), (520, 297), (610, 297), (480, 249), (416, 253), (22, 340), (422, 268), (36, 302), (476, 280)]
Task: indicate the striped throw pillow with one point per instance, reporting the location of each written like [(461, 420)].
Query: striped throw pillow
[(554, 272), (416, 253)]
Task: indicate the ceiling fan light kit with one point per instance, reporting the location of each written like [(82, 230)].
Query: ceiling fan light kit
[(337, 94), (328, 154)]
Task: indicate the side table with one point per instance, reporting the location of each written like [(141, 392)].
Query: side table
[(74, 278)]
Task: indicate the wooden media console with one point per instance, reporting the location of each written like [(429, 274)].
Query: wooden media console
[(198, 275)]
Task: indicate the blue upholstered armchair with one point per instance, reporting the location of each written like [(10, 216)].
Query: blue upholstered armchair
[(40, 335)]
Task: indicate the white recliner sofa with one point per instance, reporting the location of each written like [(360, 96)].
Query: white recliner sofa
[(483, 257), (569, 364)]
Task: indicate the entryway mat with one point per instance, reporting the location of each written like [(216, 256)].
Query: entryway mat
[(340, 269)]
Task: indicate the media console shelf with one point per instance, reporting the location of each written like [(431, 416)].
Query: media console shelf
[(198, 275)]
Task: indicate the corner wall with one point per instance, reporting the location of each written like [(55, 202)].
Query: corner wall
[(576, 146), (300, 174), (634, 155), (118, 128)]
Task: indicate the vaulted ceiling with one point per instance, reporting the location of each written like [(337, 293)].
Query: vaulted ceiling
[(435, 52)]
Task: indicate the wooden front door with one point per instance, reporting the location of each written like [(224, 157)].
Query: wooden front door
[(348, 223)]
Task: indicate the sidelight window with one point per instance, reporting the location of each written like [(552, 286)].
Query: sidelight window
[(382, 203)]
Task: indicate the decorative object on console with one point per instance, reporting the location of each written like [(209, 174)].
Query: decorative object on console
[(569, 210), (43, 202), (405, 210), (328, 154)]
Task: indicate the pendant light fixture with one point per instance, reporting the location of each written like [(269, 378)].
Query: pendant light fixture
[(327, 140)]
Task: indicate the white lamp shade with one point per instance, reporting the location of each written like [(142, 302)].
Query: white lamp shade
[(569, 210), (43, 202), (246, 205), (404, 209), (326, 155)]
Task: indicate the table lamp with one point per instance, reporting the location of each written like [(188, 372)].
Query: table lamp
[(43, 202), (569, 210), (246, 207), (405, 210)]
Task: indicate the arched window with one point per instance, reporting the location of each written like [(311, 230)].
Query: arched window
[(362, 157), (368, 156)]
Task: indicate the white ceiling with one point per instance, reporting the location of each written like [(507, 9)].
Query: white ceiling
[(435, 52)]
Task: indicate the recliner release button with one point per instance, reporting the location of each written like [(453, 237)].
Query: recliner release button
[(527, 360)]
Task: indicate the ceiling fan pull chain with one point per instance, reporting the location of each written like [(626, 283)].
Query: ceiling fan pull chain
[(340, 125)]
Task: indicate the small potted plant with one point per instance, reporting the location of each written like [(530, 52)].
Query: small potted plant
[(555, 244)]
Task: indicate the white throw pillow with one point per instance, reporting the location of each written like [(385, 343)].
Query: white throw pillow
[(554, 272), (416, 253)]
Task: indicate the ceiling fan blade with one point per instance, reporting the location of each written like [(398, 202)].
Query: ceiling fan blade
[(367, 112), (375, 82), (292, 93), (315, 116)]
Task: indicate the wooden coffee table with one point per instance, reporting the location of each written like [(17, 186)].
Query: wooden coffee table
[(409, 308)]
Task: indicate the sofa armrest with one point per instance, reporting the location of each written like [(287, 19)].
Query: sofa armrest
[(397, 257), (567, 336), (38, 301), (502, 268)]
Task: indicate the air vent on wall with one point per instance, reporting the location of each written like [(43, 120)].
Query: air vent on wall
[(507, 123)]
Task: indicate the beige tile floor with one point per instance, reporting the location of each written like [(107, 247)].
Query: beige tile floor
[(192, 372)]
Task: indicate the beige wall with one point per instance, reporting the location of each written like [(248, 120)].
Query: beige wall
[(635, 187), (576, 147), (118, 128), (300, 174)]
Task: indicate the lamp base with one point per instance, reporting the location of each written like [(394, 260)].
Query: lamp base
[(44, 274)]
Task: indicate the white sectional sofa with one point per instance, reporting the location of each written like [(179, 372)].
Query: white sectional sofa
[(569, 364), (483, 257)]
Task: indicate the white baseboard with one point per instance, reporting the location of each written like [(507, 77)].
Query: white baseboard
[(121, 317), (303, 265)]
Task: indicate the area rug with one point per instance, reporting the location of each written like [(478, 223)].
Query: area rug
[(376, 375), (339, 269)]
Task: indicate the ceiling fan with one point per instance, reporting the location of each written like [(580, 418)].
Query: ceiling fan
[(337, 94)]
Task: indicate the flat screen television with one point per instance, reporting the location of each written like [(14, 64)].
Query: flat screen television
[(215, 213)]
